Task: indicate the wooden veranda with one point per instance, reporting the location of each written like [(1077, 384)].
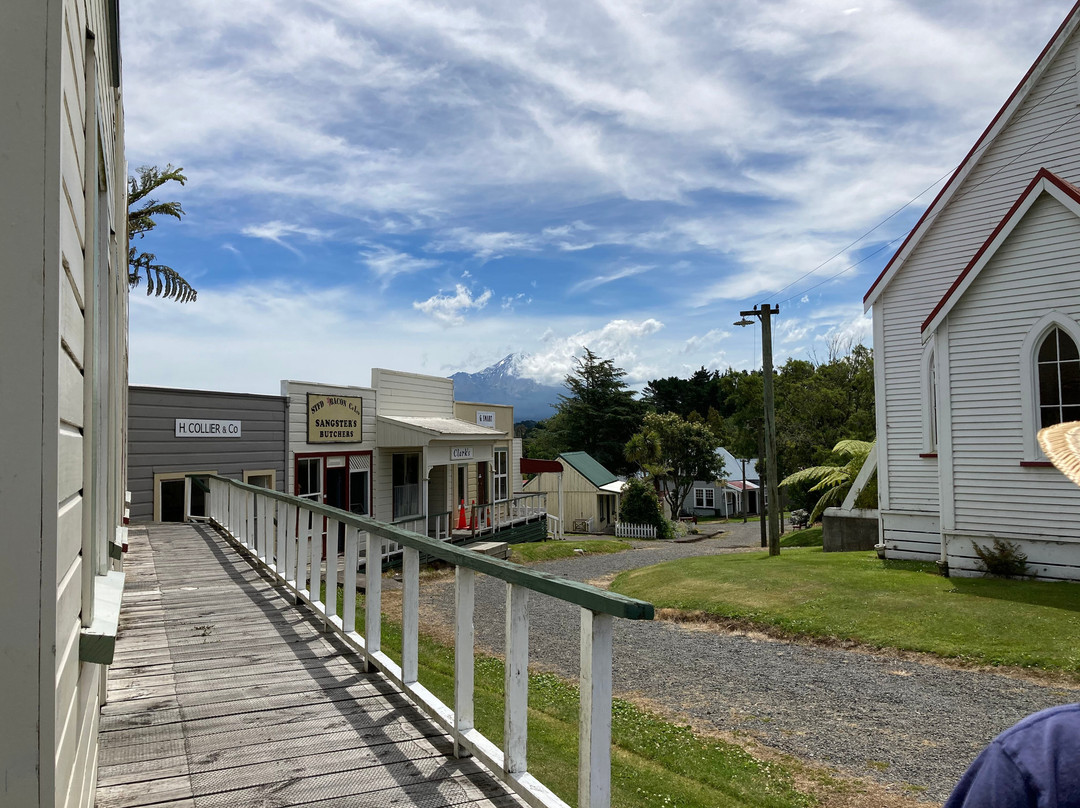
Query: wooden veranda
[(224, 693)]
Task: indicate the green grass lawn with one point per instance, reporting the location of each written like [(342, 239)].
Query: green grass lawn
[(552, 550), (857, 596), (655, 764), (811, 537)]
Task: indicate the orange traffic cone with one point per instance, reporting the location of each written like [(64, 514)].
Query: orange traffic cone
[(489, 516), (461, 523)]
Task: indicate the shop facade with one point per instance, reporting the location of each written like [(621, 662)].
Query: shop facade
[(174, 433)]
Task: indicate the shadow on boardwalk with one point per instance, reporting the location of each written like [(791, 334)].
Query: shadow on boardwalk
[(224, 694)]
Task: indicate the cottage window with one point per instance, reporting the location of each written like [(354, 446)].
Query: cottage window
[(1059, 379), (501, 475), (930, 396), (703, 498)]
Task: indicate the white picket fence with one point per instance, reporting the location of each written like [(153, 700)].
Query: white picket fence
[(625, 530)]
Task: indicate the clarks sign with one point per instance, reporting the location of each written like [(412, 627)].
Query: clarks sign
[(334, 419), (206, 428)]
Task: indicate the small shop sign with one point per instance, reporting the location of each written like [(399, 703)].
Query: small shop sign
[(485, 419), (206, 428), (334, 419), (461, 453)]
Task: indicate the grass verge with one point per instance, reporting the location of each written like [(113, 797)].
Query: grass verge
[(655, 764), (811, 537), (552, 550), (859, 597)]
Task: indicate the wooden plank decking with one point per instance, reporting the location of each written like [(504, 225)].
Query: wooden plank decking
[(222, 693)]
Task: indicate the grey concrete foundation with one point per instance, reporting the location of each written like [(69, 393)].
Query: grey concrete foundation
[(844, 531)]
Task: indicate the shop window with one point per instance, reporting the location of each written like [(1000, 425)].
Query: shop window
[(703, 498), (309, 478), (406, 484), (501, 476)]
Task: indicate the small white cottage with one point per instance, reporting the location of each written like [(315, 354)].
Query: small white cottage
[(976, 335)]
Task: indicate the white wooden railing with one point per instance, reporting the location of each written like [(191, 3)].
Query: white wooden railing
[(554, 526), (492, 517), (625, 530), (284, 535)]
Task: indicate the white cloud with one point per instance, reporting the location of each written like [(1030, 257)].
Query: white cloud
[(611, 277), (278, 231), (483, 245), (617, 340), (707, 341), (386, 263), (449, 310)]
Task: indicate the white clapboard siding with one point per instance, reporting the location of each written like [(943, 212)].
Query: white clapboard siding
[(1001, 171), (1035, 269), (297, 430), (412, 394)]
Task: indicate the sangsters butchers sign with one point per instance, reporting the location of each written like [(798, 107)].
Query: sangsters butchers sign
[(206, 428), (334, 419)]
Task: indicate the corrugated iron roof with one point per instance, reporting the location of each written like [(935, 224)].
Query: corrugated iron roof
[(589, 468)]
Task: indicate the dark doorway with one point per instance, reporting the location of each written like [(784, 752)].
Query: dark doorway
[(200, 488), (481, 483), (337, 496), (336, 492), (462, 485), (172, 500)]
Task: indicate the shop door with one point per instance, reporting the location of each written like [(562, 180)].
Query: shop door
[(481, 483), (172, 500), (462, 485), (337, 496)]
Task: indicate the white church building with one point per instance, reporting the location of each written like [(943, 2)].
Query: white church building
[(976, 335)]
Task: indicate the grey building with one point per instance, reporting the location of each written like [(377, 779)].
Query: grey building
[(172, 433)]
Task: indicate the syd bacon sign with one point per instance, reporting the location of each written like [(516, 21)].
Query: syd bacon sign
[(334, 419)]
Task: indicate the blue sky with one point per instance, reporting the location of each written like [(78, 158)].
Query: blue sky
[(429, 186)]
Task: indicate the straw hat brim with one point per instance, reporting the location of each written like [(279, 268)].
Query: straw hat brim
[(1061, 443)]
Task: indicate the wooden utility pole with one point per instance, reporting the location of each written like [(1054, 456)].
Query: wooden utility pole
[(764, 313)]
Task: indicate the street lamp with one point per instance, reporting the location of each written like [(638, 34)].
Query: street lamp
[(764, 313)]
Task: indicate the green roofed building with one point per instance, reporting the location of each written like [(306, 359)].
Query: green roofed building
[(590, 493)]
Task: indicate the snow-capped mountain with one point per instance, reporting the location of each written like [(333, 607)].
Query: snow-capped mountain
[(502, 383)]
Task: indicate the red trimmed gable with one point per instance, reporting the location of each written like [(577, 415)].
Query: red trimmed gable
[(1011, 102), (1034, 188)]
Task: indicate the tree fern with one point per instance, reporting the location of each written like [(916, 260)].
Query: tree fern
[(835, 481), (162, 280)]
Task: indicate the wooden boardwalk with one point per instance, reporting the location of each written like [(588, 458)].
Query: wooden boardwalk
[(222, 693)]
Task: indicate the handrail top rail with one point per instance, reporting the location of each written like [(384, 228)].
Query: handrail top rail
[(580, 594), (417, 518)]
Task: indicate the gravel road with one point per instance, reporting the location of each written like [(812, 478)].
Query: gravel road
[(897, 721)]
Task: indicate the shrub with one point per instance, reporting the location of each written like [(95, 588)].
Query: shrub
[(640, 506), (1005, 560)]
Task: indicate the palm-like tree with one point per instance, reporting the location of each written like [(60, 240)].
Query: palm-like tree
[(160, 279), (836, 480)]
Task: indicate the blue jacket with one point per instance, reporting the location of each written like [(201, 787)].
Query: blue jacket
[(1034, 764)]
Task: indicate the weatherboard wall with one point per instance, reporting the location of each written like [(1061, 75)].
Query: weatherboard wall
[(581, 499), (1035, 271), (1042, 132), (296, 394), (153, 447), (63, 358)]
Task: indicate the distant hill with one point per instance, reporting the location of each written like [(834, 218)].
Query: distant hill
[(502, 384)]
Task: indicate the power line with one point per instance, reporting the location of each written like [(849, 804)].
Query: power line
[(975, 154)]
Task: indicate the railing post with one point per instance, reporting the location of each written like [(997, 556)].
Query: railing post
[(410, 614), (465, 596), (594, 724), (515, 733), (348, 614), (330, 601), (316, 558), (372, 599), (303, 550)]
